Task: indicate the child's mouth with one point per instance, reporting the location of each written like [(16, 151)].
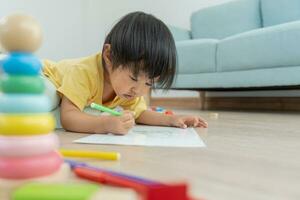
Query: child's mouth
[(127, 96)]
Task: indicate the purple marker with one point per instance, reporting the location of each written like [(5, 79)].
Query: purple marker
[(73, 164)]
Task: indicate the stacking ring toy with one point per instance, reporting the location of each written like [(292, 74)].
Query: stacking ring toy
[(31, 124), (61, 175), (28, 145), (21, 63), (22, 84), (30, 167), (24, 103)]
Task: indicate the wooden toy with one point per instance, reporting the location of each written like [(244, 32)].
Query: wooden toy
[(29, 166), (26, 124), (22, 146), (24, 103), (20, 32), (22, 84), (21, 63), (28, 147), (60, 176)]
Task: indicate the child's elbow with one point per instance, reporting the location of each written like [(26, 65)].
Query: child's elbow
[(66, 122)]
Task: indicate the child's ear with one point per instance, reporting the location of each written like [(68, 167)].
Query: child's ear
[(107, 56)]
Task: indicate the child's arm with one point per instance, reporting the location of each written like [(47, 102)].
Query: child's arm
[(153, 118), (72, 119)]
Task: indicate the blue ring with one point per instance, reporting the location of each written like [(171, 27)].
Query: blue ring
[(22, 103), (21, 63)]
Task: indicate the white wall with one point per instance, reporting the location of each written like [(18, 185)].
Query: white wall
[(74, 28)]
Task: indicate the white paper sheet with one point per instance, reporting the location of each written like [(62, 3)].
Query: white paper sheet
[(149, 136)]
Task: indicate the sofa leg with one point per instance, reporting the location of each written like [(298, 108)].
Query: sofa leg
[(202, 100)]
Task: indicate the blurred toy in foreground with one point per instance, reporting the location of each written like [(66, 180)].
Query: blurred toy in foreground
[(28, 144)]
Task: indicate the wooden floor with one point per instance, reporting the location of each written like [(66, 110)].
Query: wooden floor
[(249, 155)]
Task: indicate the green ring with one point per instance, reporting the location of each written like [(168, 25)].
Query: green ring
[(22, 84)]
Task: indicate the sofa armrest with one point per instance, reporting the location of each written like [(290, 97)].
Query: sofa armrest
[(180, 34), (226, 19), (196, 56)]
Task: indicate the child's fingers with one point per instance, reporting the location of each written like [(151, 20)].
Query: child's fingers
[(202, 123), (129, 112), (129, 124), (191, 121), (196, 123), (130, 121), (127, 117), (181, 124), (199, 124)]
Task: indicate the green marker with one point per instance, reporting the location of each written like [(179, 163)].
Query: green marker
[(105, 109), (58, 191)]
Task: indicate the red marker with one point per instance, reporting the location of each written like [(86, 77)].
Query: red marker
[(147, 192), (107, 178)]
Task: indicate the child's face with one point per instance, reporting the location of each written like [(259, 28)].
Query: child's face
[(123, 81), (126, 85)]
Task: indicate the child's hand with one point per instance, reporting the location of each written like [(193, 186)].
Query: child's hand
[(121, 124), (184, 121)]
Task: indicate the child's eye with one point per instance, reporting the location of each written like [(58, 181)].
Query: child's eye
[(132, 78), (149, 84)]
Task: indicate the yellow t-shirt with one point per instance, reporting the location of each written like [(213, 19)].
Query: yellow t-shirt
[(81, 81)]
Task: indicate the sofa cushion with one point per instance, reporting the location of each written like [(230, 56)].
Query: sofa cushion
[(240, 79), (271, 47), (226, 19), (196, 56), (279, 11), (180, 33)]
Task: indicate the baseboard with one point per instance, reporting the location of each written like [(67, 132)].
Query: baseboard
[(232, 103), (184, 102)]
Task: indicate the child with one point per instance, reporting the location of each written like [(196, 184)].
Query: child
[(138, 52)]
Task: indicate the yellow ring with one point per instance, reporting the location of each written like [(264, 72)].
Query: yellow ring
[(30, 124)]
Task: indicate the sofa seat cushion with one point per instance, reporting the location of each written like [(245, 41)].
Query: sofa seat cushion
[(240, 79), (196, 56), (272, 47)]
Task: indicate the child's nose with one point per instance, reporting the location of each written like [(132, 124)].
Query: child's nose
[(133, 91)]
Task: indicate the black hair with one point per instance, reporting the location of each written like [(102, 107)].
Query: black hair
[(143, 43)]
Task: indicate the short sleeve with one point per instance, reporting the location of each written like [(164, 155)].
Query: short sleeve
[(75, 86), (138, 105)]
